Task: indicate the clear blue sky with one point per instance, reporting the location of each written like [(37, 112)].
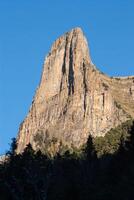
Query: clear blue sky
[(27, 31)]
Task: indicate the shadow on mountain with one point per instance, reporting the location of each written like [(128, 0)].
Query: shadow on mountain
[(34, 176)]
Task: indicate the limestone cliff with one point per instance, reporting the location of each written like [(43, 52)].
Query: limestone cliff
[(74, 99)]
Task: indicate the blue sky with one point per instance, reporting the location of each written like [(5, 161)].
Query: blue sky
[(29, 27)]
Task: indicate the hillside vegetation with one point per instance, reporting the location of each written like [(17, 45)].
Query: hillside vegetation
[(104, 169)]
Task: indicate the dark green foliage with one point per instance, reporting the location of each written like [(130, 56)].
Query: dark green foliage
[(13, 147), (70, 176), (45, 143), (113, 139)]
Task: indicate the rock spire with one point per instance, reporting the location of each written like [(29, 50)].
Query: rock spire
[(74, 99)]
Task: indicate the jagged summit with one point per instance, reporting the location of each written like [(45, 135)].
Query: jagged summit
[(67, 54), (74, 99)]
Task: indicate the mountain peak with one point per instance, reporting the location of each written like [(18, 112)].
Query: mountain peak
[(74, 100), (75, 39), (64, 63)]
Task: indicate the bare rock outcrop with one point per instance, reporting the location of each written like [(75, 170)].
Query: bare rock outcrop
[(74, 99)]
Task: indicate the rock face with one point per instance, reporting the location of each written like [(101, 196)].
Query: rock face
[(74, 99)]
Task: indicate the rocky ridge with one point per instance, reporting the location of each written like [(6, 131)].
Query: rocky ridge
[(74, 99)]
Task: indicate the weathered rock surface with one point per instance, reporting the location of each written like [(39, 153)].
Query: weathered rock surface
[(74, 99)]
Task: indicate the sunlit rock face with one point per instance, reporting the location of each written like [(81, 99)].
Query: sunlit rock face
[(74, 99)]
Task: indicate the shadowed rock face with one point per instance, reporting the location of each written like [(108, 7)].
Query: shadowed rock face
[(74, 99)]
